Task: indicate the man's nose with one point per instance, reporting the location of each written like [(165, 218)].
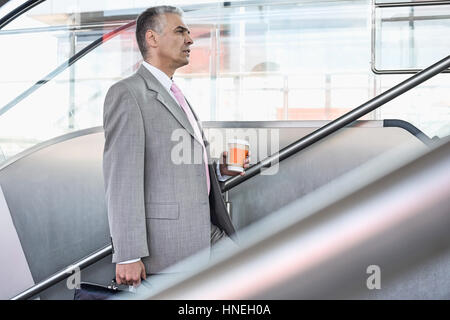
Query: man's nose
[(188, 40)]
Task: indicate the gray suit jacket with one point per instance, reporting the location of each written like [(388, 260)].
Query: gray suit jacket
[(157, 209)]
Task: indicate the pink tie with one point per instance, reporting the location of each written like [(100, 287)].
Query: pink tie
[(180, 98)]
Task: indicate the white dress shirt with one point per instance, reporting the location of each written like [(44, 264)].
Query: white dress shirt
[(166, 82)]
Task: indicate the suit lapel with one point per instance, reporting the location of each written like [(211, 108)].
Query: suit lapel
[(166, 99)]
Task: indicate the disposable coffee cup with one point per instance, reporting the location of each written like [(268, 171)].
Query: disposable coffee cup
[(237, 152)]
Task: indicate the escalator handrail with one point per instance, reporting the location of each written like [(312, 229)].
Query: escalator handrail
[(338, 123), (409, 127), (17, 12), (106, 37), (65, 273)]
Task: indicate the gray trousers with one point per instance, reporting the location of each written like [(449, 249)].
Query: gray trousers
[(220, 243)]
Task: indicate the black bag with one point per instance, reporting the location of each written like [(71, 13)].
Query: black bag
[(92, 291)]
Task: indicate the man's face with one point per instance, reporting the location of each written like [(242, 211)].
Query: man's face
[(174, 42)]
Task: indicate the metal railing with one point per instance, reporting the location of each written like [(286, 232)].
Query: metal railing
[(376, 5), (63, 274), (18, 12)]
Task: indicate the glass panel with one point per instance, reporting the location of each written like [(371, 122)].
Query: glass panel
[(280, 50), (42, 39), (250, 61), (73, 100), (411, 37), (34, 64)]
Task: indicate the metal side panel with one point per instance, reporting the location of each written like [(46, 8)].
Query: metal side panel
[(15, 276), (57, 203)]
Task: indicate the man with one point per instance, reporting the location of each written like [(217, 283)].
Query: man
[(159, 211)]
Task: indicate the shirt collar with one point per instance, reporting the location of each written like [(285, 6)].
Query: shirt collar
[(159, 75)]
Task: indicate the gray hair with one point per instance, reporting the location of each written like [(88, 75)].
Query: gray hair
[(152, 19)]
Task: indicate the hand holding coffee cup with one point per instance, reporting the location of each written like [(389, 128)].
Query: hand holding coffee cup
[(236, 159)]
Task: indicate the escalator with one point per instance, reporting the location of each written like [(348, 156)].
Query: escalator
[(64, 185), (390, 215)]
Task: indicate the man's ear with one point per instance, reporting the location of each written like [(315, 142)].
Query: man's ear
[(151, 38)]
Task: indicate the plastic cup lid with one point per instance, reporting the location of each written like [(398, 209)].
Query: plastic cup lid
[(239, 141)]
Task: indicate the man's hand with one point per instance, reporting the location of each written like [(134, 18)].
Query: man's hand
[(224, 165), (130, 273)]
